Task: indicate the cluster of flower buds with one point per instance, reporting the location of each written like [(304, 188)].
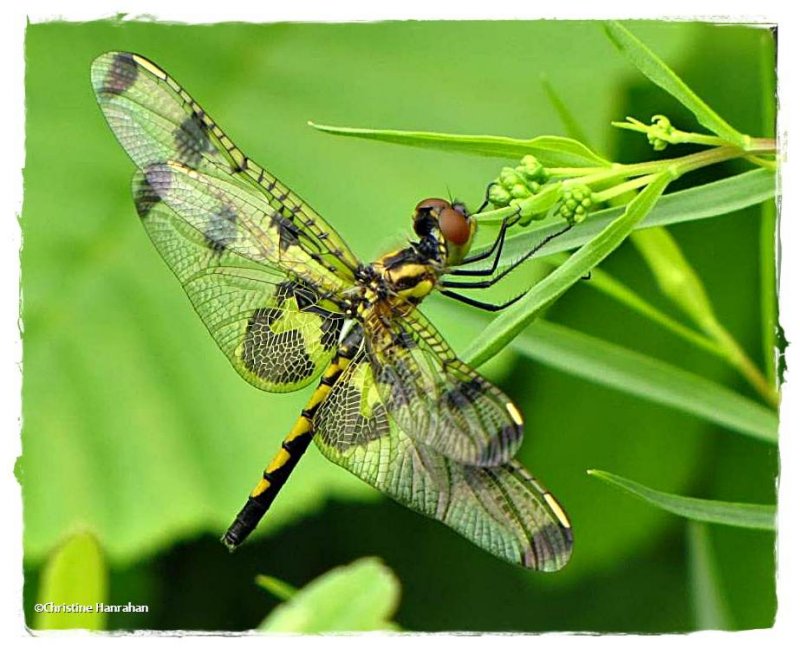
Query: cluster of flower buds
[(575, 204), (660, 133), (517, 183)]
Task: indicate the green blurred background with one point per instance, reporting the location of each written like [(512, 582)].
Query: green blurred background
[(137, 430)]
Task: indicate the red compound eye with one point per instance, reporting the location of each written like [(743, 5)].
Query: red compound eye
[(454, 226)]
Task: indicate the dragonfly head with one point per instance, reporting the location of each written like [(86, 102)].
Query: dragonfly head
[(448, 223)]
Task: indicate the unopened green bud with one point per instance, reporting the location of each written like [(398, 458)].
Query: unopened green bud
[(510, 177), (520, 191), (531, 168), (660, 133), (499, 195)]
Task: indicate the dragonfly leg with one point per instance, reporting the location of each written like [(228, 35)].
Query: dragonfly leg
[(490, 282)]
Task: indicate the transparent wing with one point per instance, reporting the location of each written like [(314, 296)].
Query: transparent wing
[(158, 123), (437, 399), (278, 333), (502, 508)]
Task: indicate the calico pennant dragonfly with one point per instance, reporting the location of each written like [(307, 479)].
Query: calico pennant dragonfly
[(287, 302)]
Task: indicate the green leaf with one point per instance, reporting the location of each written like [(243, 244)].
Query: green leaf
[(505, 327), (707, 201), (603, 362), (359, 597), (660, 74), (759, 517), (708, 603), (550, 150), (75, 573)]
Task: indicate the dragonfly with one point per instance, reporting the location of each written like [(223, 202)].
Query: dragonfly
[(288, 303)]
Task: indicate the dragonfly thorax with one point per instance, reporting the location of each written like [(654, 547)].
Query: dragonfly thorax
[(403, 278)]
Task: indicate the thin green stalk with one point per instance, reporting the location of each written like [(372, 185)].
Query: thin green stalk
[(673, 136), (605, 283), (761, 162), (677, 166), (741, 361), (623, 188)]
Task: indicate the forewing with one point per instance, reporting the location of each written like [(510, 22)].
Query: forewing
[(278, 333), (437, 399), (502, 508), (157, 122)]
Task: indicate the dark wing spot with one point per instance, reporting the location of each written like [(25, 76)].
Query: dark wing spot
[(159, 177), (303, 293), (275, 357), (288, 232), (460, 399), (191, 141), (307, 297), (221, 229), (464, 394), (121, 75), (399, 379), (331, 328), (403, 340), (347, 426), (145, 198)]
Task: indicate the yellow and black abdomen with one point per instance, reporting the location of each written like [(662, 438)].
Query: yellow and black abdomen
[(292, 449)]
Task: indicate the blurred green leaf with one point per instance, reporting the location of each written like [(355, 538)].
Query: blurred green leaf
[(506, 326), (359, 597), (673, 273), (550, 150), (571, 124), (707, 201), (708, 601), (603, 362), (759, 517), (76, 573), (276, 587), (660, 73), (680, 283)]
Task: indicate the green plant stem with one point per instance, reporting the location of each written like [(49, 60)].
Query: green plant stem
[(618, 190), (675, 166), (718, 341), (761, 162), (672, 137), (605, 283), (762, 145)]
